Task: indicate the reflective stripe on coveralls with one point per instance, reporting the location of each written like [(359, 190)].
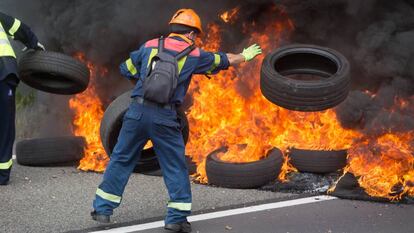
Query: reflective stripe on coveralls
[(217, 60), (130, 66), (108, 196), (6, 165), (180, 206), (133, 70), (6, 50)]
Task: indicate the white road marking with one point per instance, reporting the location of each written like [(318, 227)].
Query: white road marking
[(225, 213)]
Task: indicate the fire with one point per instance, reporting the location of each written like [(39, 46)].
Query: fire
[(229, 110), (230, 15), (241, 153), (88, 110), (286, 168), (384, 165)]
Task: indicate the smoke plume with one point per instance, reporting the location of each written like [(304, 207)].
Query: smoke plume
[(375, 35)]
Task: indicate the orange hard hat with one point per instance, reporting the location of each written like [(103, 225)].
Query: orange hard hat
[(187, 17)]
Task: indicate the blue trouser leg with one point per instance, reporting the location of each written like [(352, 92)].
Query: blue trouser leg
[(131, 140), (169, 147), (7, 129)]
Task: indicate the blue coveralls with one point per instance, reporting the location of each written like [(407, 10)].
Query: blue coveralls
[(144, 122), (9, 27)]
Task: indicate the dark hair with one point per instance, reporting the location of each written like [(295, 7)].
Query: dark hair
[(182, 29)]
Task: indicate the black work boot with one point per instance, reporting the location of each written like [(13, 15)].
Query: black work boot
[(184, 227), (100, 217)]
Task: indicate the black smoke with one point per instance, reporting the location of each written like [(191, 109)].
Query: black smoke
[(375, 35)]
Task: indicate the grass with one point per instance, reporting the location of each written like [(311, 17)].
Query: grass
[(25, 100)]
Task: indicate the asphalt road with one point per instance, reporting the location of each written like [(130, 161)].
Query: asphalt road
[(330, 216), (59, 199)]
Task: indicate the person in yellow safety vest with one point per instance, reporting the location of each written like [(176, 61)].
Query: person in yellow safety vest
[(149, 120), (14, 28)]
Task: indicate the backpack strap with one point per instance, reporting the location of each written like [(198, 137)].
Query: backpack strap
[(161, 43), (185, 52)]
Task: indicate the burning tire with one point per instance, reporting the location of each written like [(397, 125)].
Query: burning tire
[(53, 72), (315, 161), (243, 175), (50, 151), (191, 165), (111, 126), (327, 78), (192, 168)]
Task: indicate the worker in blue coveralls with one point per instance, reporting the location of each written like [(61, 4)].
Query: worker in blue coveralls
[(146, 120), (14, 28)]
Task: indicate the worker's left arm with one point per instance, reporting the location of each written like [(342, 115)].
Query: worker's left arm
[(20, 31)]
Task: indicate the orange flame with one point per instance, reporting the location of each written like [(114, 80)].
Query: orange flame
[(230, 16), (286, 168), (88, 110), (384, 165), (230, 110)]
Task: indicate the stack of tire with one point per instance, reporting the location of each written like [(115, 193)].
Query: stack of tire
[(111, 125), (54, 73), (297, 77), (326, 85), (305, 78)]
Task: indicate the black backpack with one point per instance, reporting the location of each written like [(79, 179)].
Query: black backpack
[(161, 80)]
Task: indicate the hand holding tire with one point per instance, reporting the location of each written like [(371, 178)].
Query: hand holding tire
[(40, 47)]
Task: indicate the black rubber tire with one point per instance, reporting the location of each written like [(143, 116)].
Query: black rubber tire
[(156, 172), (243, 175), (53, 72), (192, 168), (111, 125), (317, 161), (305, 95), (50, 151)]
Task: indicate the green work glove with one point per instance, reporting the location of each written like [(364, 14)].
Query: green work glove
[(251, 52)]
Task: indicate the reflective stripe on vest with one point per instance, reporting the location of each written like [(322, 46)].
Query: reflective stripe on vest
[(180, 63), (6, 50), (108, 196), (6, 165), (180, 206), (217, 60)]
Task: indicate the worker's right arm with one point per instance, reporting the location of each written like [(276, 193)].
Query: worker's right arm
[(212, 63), (132, 66), (19, 31), (248, 54)]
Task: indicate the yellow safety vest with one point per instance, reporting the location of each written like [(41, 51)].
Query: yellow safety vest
[(6, 50)]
